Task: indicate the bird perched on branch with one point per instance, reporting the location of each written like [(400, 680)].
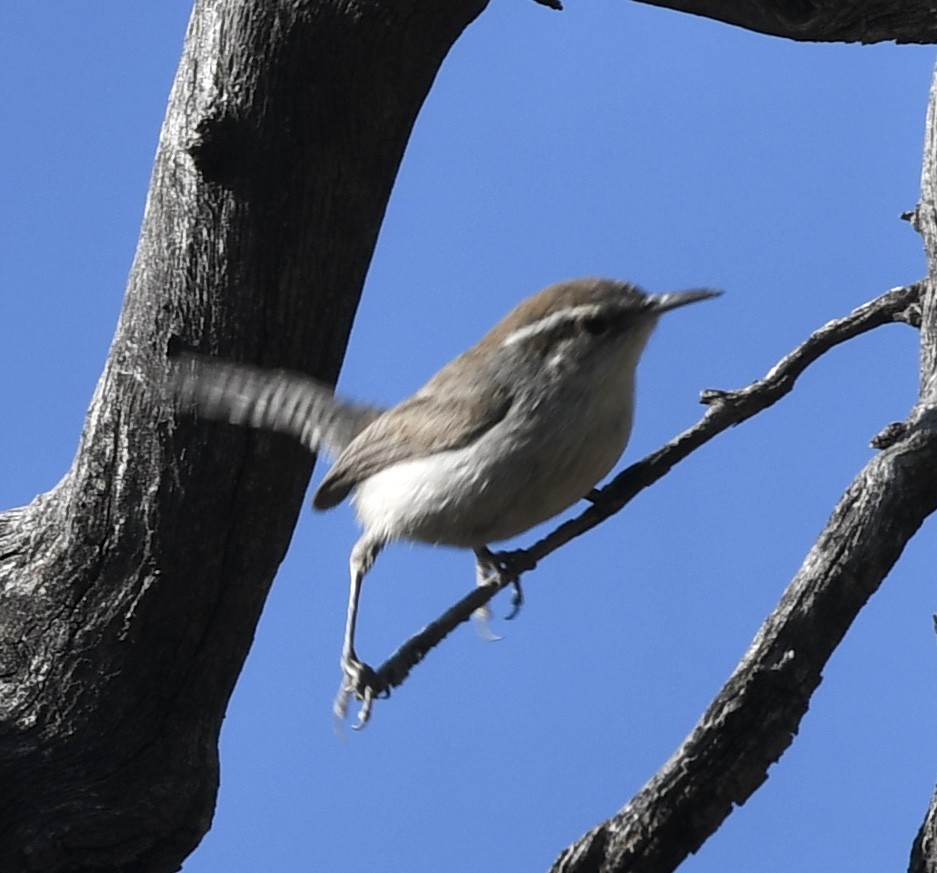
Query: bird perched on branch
[(505, 436)]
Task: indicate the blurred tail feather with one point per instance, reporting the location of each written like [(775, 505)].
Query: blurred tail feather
[(276, 400)]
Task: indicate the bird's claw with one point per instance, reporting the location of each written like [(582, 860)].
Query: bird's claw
[(359, 681), (517, 598), (493, 568)]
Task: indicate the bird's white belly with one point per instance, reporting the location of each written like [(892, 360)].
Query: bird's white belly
[(499, 486)]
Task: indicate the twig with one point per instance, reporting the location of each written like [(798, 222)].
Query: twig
[(725, 409)]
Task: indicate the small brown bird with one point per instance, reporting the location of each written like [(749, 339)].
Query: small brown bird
[(505, 436)]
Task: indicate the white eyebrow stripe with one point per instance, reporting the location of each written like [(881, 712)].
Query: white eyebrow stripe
[(544, 325)]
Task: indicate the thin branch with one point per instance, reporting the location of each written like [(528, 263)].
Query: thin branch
[(725, 410)]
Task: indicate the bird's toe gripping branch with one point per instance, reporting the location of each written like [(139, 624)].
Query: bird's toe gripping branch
[(499, 569), (360, 681)]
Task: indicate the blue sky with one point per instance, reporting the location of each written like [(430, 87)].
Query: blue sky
[(610, 139)]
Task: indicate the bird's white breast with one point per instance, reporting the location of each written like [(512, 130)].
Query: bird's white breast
[(540, 459)]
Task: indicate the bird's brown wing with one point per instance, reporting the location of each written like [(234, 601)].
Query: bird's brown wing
[(429, 422)]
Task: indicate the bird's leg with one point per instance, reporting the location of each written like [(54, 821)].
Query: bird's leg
[(491, 569), (358, 678)]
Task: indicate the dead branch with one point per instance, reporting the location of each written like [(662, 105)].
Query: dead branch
[(725, 410)]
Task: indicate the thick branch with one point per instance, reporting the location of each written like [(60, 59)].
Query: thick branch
[(924, 849), (904, 21), (726, 409), (756, 715), (130, 593)]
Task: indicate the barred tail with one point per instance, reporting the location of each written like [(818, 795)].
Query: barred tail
[(276, 400)]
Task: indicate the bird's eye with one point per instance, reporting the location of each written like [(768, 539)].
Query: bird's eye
[(595, 325)]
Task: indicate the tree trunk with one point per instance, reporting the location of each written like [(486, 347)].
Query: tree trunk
[(131, 591)]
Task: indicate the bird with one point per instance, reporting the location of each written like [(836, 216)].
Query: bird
[(505, 436)]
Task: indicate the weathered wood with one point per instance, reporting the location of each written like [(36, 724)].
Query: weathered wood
[(130, 592), (904, 21)]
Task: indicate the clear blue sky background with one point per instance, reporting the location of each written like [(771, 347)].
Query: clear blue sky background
[(610, 139)]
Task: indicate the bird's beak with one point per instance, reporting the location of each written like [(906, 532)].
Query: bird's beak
[(664, 302)]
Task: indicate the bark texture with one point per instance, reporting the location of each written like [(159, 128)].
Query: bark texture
[(903, 21), (129, 594)]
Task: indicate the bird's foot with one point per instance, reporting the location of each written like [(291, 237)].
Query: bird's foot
[(495, 568), (359, 681)]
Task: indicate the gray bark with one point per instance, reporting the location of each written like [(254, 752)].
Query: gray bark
[(130, 592), (867, 21)]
